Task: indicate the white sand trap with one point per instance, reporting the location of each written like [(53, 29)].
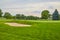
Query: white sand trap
[(18, 25)]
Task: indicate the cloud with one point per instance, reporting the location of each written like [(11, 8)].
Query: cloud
[(29, 7)]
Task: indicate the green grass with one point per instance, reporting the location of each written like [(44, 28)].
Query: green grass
[(38, 31)]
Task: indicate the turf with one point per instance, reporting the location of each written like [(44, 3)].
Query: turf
[(38, 31)]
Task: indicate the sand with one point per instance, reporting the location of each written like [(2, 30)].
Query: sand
[(18, 25)]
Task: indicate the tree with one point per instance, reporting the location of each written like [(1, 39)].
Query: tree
[(22, 16), (32, 18), (55, 15), (17, 16), (7, 15), (45, 14), (1, 13)]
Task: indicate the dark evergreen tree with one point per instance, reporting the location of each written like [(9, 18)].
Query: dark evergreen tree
[(55, 15)]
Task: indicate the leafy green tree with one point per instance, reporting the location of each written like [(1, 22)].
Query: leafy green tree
[(7, 15), (20, 16), (1, 13), (55, 15), (23, 17), (29, 17), (32, 18), (45, 14), (13, 17), (17, 16)]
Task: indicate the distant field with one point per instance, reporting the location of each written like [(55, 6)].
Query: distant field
[(40, 30)]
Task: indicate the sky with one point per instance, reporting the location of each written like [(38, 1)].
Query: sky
[(29, 7)]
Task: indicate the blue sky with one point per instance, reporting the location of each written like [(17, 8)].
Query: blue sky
[(29, 7)]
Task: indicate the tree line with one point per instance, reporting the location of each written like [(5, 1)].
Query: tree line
[(45, 14), (8, 15)]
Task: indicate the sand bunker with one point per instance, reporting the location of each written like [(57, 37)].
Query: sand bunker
[(18, 25)]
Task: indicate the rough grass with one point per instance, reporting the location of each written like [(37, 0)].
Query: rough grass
[(38, 31)]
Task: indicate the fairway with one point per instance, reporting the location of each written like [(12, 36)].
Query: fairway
[(40, 30)]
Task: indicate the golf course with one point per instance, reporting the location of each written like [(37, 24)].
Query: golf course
[(39, 30), (29, 19)]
